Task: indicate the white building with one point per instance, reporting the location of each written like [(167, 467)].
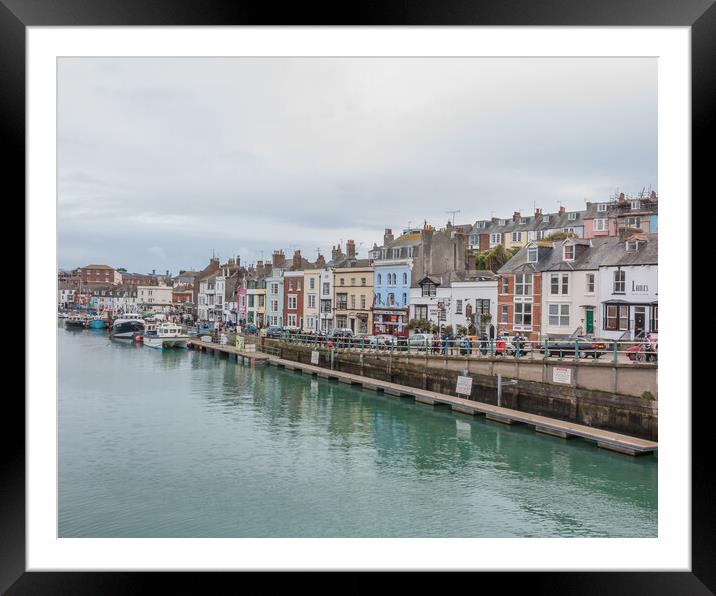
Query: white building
[(628, 288), (570, 301), (154, 298), (212, 297), (65, 296), (311, 299), (471, 300), (326, 299)]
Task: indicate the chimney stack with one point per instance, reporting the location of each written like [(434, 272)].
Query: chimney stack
[(538, 213), (320, 261), (351, 248), (297, 260), (238, 261), (621, 196), (336, 252), (516, 216), (278, 259), (388, 236), (562, 210)]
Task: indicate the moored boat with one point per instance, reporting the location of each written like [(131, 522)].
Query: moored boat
[(97, 323), (76, 321), (165, 335), (128, 326)]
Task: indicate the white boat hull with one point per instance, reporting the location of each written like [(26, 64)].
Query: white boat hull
[(163, 343)]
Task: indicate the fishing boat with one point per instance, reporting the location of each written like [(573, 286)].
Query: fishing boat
[(76, 321), (99, 322), (128, 326), (165, 335)]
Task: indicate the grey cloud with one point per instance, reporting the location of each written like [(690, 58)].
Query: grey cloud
[(196, 154)]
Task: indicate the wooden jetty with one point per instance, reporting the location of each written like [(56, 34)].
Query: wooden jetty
[(249, 357)]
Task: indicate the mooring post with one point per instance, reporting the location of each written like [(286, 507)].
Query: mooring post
[(499, 389)]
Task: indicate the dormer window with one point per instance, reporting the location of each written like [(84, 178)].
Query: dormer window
[(632, 245), (428, 289), (602, 207), (571, 216), (568, 254), (532, 254), (635, 205)]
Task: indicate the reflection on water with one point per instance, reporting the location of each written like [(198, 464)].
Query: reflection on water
[(182, 443)]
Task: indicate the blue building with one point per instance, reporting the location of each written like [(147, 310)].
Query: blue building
[(392, 277), (653, 223)]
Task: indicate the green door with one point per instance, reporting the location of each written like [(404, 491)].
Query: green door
[(590, 321)]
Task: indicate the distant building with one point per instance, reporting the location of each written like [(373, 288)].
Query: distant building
[(100, 275), (153, 298)]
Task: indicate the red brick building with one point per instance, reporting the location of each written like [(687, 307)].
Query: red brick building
[(519, 292), (100, 275), (293, 298)]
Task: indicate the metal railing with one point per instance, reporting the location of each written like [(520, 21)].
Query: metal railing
[(567, 349)]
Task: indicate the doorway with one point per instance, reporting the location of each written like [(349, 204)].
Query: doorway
[(589, 324), (639, 320)]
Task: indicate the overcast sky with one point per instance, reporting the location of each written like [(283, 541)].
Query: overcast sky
[(162, 160)]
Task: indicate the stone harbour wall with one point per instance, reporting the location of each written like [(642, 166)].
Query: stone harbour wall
[(599, 394)]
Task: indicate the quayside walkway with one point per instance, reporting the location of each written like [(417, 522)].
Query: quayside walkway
[(551, 426), (250, 355)]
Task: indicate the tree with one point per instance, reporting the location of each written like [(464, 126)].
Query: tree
[(497, 257)]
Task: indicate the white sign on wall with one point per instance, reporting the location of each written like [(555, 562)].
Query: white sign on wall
[(314, 356), (562, 375), (464, 385)]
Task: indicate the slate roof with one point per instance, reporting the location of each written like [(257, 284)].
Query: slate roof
[(603, 252)]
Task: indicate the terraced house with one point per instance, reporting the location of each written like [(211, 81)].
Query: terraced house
[(353, 292), (392, 277), (628, 286)]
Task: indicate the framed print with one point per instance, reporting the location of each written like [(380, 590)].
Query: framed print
[(357, 296)]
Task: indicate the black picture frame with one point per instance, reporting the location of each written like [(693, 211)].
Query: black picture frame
[(16, 15)]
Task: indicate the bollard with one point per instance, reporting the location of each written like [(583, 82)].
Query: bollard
[(576, 350)]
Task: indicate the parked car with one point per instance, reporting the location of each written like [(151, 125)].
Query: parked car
[(585, 347), (341, 332), (384, 341), (274, 331), (420, 340), (251, 329)]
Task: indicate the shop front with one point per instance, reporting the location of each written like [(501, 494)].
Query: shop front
[(390, 321)]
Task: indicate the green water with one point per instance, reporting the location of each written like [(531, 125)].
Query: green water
[(187, 444)]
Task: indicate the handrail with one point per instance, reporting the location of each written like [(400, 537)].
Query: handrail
[(557, 349)]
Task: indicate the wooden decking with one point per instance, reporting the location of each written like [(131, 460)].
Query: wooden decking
[(549, 426), (251, 357)]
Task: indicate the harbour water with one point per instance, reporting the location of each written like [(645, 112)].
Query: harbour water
[(187, 444)]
